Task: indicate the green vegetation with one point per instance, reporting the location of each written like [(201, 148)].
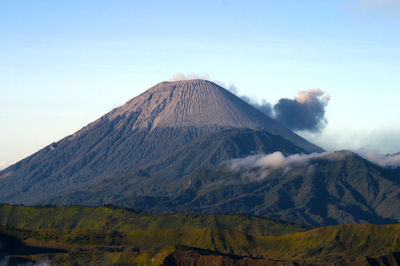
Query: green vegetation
[(82, 246), (111, 236), (111, 218)]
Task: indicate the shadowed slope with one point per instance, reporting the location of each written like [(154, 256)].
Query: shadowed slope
[(337, 188), (321, 192), (164, 177)]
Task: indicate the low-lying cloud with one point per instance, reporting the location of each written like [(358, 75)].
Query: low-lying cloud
[(278, 160), (259, 166), (384, 160)]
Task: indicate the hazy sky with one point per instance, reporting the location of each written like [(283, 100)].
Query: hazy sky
[(65, 63)]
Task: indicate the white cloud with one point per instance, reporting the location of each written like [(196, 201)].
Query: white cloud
[(182, 76), (259, 166), (383, 160), (310, 95), (278, 160), (3, 165)]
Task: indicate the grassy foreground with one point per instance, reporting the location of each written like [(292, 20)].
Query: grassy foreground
[(119, 219), (111, 236)]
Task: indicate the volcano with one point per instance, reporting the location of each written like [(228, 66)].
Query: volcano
[(148, 135), (198, 104)]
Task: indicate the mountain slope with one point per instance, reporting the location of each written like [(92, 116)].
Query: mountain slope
[(210, 150), (164, 177), (339, 188), (323, 192), (146, 129)]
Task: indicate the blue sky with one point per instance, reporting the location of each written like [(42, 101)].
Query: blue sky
[(65, 63)]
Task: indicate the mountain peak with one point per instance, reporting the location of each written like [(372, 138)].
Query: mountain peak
[(191, 82), (188, 103), (199, 104)]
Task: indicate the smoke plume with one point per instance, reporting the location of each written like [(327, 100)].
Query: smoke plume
[(304, 112), (264, 106)]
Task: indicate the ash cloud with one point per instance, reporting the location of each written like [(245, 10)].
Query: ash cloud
[(264, 106), (304, 112)]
